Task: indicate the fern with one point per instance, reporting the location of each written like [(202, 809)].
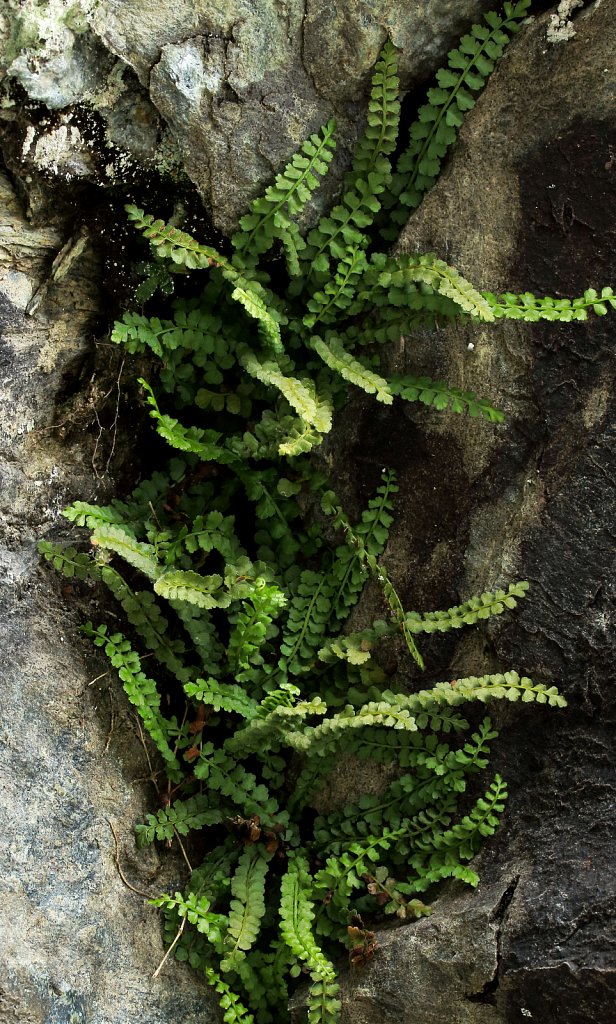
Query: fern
[(333, 355), (528, 307), (247, 906), (436, 128), (270, 215), (69, 561), (259, 583), (181, 818), (296, 918), (141, 691), (443, 397)]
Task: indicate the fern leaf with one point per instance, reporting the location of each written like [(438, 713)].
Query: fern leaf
[(174, 244), (443, 397), (182, 817), (141, 691), (187, 439), (297, 916), (82, 513), (247, 906), (530, 308), (309, 611), (186, 585), (381, 134), (392, 276), (337, 295), (69, 561), (225, 776), (300, 394), (291, 190), (334, 355), (347, 574), (301, 438), (467, 614), (203, 635), (344, 228), (234, 1012), (257, 309), (222, 697), (283, 725), (140, 556), (144, 614), (435, 131)]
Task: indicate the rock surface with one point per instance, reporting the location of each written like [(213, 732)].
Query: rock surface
[(226, 93), (527, 203), (78, 947)]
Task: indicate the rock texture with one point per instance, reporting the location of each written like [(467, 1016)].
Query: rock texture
[(226, 92), (526, 203), (219, 95), (77, 945)]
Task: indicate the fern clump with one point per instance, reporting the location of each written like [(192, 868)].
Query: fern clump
[(236, 568), (250, 650)]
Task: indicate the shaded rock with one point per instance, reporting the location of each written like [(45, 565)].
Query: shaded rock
[(527, 203), (69, 754)]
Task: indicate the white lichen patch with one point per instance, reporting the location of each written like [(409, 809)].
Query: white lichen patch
[(61, 151), (561, 29)]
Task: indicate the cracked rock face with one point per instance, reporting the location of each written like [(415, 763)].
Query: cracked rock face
[(78, 947), (226, 92)]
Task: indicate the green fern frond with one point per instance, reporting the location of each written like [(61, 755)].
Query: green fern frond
[(182, 817), (297, 916), (435, 131), (301, 437), (269, 327), (269, 218), (530, 308), (69, 561), (397, 277), (146, 617), (467, 614), (203, 635), (234, 1012), (309, 611), (82, 513), (334, 355), (381, 134), (443, 397), (187, 439), (141, 692), (186, 585), (300, 394), (252, 625), (247, 906), (140, 556), (338, 294), (174, 244), (226, 776), (222, 696), (344, 229)]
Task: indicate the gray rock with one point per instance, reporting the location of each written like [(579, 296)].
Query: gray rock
[(526, 203), (238, 86), (77, 944)]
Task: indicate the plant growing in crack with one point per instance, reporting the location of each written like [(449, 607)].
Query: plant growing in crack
[(237, 567)]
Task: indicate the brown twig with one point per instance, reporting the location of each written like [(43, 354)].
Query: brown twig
[(128, 885)]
